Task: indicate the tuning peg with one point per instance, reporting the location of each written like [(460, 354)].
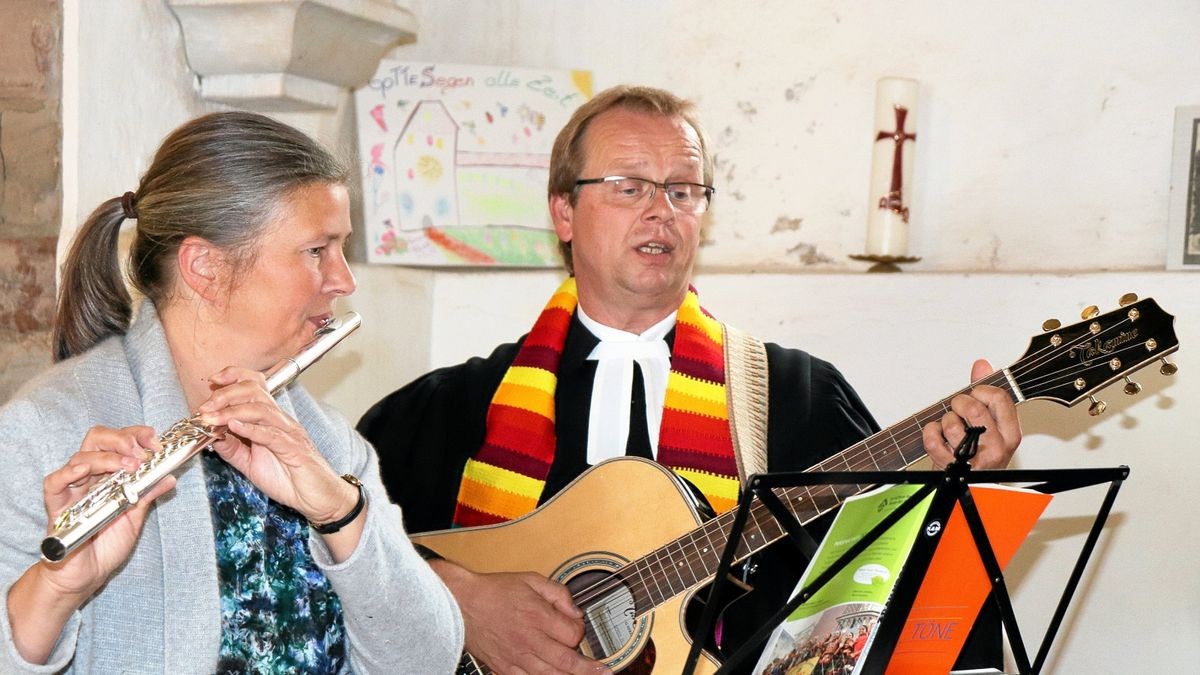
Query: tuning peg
[(1127, 299), (1131, 387), (1096, 407), (1090, 312), (1051, 324), (1168, 368)]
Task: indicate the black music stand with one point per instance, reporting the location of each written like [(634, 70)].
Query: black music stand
[(949, 487)]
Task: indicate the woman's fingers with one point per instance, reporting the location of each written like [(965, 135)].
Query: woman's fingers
[(88, 466), (102, 452), (235, 386), (254, 412), (134, 441)]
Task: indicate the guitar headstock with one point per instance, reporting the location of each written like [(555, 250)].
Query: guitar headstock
[(1068, 364)]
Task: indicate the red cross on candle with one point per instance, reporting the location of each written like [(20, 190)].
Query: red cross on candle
[(893, 200)]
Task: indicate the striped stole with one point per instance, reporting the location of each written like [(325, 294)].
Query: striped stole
[(505, 479)]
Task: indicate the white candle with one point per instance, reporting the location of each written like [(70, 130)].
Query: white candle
[(892, 166)]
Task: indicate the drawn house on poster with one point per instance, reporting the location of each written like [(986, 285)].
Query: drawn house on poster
[(456, 160), (426, 172), (439, 184)]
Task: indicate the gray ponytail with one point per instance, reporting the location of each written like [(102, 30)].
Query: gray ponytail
[(93, 292)]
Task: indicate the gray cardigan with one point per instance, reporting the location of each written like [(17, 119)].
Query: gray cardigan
[(160, 612)]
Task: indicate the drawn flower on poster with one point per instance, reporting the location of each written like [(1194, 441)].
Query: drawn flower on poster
[(456, 161)]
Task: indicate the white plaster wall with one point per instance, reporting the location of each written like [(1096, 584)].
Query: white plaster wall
[(1044, 132), (126, 85)]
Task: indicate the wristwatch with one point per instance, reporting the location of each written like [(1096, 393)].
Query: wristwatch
[(330, 528)]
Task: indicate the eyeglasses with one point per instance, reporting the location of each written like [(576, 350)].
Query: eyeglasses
[(631, 192)]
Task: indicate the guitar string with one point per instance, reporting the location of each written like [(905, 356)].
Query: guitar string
[(853, 454)]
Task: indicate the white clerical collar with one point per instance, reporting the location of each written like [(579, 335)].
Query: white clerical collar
[(612, 390), (656, 332)]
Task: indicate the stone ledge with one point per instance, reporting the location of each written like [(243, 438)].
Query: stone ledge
[(288, 55), (271, 92)]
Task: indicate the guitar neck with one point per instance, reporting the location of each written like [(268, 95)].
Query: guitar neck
[(693, 559)]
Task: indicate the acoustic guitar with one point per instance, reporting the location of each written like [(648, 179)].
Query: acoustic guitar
[(627, 540)]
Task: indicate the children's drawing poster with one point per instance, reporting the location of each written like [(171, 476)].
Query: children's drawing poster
[(456, 158)]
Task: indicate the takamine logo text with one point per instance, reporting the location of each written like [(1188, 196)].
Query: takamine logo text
[(1097, 348)]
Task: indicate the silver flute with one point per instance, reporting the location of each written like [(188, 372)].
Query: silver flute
[(112, 496)]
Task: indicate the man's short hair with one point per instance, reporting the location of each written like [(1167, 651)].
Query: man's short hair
[(567, 157)]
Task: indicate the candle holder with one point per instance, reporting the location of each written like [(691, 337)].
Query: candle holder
[(884, 263)]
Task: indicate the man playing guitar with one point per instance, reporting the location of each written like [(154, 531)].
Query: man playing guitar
[(623, 362)]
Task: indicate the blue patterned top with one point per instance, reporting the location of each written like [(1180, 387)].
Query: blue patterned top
[(278, 611)]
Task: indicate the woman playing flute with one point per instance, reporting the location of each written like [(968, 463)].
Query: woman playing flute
[(276, 552)]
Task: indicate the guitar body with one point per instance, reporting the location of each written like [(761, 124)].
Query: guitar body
[(614, 513)]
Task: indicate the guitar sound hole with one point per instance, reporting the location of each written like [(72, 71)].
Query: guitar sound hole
[(609, 612)]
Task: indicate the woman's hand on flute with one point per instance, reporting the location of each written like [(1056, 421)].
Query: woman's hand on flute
[(42, 600), (272, 450), (102, 452)]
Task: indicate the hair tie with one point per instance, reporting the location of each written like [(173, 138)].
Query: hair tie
[(127, 205)]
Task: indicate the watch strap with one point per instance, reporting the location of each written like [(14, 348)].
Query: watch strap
[(330, 528)]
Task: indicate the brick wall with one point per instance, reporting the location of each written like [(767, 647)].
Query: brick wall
[(30, 183)]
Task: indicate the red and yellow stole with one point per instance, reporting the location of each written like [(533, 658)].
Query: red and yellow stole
[(505, 479)]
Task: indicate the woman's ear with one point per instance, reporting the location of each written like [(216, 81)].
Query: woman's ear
[(201, 267)]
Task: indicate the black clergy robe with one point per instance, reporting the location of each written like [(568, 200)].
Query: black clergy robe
[(425, 432)]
